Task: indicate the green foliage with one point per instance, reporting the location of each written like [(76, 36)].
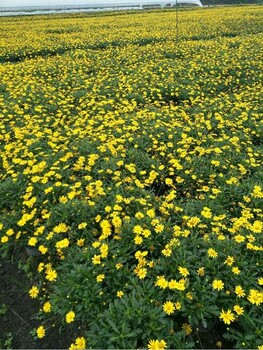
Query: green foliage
[(7, 341), (122, 323), (132, 164)]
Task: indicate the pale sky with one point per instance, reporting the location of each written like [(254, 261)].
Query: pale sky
[(15, 3)]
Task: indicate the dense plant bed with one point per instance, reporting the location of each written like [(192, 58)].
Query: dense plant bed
[(131, 170)]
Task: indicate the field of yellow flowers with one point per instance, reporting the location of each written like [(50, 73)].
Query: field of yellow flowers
[(131, 168)]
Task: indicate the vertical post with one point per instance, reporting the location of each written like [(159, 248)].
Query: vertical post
[(176, 19)]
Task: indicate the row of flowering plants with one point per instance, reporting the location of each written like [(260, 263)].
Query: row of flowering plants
[(131, 166)]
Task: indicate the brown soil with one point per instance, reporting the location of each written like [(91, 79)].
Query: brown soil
[(18, 313)]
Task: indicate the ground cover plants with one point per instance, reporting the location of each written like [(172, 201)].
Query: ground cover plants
[(131, 165)]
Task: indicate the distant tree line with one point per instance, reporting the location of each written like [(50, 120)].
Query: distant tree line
[(230, 2)]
